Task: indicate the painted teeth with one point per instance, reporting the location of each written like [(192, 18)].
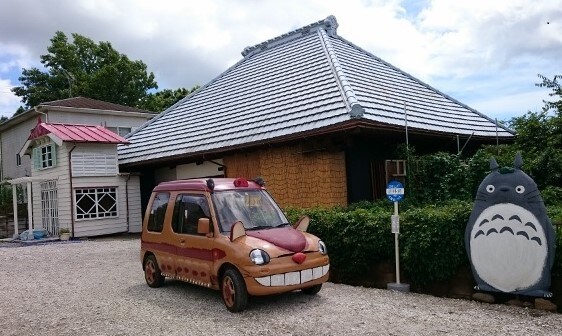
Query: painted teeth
[(294, 278)]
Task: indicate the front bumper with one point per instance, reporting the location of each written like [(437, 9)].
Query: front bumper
[(284, 275)]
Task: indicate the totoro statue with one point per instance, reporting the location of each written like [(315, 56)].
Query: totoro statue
[(509, 238)]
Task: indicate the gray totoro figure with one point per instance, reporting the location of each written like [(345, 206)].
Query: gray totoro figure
[(509, 238)]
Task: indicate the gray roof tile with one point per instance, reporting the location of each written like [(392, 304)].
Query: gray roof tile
[(301, 81)]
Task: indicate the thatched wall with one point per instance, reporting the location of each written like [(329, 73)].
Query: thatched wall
[(292, 177)]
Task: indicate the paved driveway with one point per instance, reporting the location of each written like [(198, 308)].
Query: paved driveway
[(97, 288)]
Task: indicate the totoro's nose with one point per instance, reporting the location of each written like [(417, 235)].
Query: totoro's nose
[(504, 188)]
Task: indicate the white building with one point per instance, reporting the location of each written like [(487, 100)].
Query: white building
[(78, 110), (76, 181)]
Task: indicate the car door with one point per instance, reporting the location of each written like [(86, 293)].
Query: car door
[(194, 251)]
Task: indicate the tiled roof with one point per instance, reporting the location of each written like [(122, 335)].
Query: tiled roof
[(77, 133), (303, 81), (88, 103)]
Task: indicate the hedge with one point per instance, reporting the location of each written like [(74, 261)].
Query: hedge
[(431, 239)]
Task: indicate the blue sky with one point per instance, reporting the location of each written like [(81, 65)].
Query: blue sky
[(486, 54)]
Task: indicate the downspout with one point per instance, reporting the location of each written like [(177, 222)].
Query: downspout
[(72, 198), (127, 200)]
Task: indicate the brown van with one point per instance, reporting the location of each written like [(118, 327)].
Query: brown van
[(229, 235)]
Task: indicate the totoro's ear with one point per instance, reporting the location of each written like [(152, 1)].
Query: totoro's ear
[(518, 161), (493, 164)]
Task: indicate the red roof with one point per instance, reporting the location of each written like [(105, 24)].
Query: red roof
[(77, 133)]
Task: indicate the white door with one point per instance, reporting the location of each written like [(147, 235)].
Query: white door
[(50, 207)]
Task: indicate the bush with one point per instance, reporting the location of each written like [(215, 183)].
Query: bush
[(431, 239)]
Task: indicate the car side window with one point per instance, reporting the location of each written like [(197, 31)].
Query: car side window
[(187, 211), (158, 212)]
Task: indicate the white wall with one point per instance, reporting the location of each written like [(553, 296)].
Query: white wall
[(187, 171), (13, 140), (127, 187)]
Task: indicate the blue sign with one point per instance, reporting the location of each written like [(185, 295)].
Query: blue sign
[(394, 191)]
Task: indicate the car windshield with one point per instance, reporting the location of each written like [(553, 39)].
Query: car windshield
[(254, 208)]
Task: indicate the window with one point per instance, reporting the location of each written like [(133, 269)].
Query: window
[(18, 159), (94, 164), (158, 212), (122, 131), (45, 156), (188, 209), (94, 203)]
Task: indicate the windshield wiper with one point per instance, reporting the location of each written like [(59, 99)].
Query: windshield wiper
[(282, 224), (260, 227)]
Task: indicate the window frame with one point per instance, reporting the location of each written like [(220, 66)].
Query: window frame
[(113, 212), (179, 204), (157, 214), (47, 156)]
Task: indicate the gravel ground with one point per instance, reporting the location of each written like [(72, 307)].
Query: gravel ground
[(97, 287)]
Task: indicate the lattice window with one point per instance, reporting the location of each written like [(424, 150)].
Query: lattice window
[(93, 203)]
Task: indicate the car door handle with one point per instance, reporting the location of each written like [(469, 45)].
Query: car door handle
[(182, 241)]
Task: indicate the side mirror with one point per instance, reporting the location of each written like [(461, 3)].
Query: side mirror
[(302, 224), (203, 226)]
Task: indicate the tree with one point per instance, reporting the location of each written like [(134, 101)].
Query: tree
[(557, 91), (84, 68), (161, 100), (539, 137)]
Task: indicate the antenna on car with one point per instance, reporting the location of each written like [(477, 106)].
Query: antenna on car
[(260, 181), (211, 184)]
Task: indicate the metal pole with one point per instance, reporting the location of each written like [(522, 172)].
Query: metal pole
[(396, 249), (406, 125), (497, 138)]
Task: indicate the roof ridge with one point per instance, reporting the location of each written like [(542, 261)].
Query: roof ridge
[(351, 101), (329, 25)]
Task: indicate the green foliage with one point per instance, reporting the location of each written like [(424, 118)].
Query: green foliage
[(161, 100), (432, 241), (556, 91), (436, 178), (84, 68), (357, 239)]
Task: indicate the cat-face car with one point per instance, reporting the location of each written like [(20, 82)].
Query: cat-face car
[(229, 235)]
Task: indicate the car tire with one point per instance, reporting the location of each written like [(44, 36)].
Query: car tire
[(233, 290), (312, 290), (152, 273)]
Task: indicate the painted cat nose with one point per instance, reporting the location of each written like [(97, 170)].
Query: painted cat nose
[(504, 188)]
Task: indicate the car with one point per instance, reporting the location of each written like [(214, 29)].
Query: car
[(229, 235)]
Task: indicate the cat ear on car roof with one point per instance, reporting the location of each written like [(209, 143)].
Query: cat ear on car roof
[(493, 164), (518, 161)]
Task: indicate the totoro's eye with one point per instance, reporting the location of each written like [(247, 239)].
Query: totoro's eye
[(490, 188), (520, 189)]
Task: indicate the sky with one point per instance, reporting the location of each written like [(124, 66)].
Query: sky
[(485, 53)]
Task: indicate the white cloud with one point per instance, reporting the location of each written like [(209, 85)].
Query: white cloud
[(466, 48), (8, 101)]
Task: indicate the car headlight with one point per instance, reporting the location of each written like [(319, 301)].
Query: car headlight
[(322, 247), (259, 257)]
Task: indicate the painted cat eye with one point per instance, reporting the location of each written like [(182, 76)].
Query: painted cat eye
[(490, 188)]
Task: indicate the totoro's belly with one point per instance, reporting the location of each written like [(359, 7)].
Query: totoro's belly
[(508, 247)]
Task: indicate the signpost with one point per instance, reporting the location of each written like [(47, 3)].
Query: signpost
[(395, 193)]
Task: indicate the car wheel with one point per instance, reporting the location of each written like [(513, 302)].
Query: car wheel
[(234, 293), (312, 290), (152, 274)]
